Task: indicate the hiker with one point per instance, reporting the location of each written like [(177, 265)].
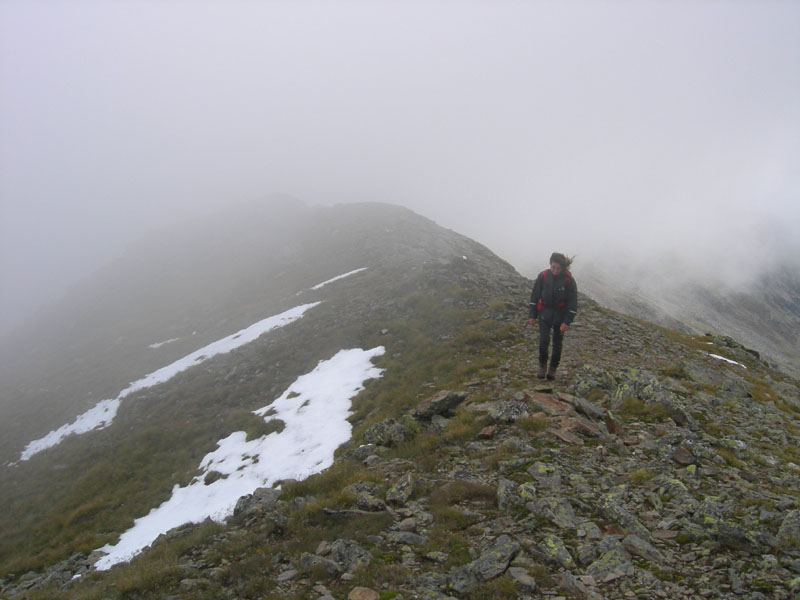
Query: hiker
[(554, 301)]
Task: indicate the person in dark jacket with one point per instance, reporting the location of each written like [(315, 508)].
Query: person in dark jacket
[(554, 302)]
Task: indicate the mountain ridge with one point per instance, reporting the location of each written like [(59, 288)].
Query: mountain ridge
[(464, 477)]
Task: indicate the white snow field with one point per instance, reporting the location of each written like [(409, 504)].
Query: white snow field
[(314, 410)]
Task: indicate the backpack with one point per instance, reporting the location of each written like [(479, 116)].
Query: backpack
[(540, 306)]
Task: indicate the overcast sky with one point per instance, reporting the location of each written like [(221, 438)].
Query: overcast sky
[(594, 128)]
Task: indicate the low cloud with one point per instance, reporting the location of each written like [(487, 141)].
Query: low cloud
[(610, 130)]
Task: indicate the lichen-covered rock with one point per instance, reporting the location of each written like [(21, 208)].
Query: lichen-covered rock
[(553, 550), (523, 578), (507, 412), (736, 537), (463, 580), (401, 491), (548, 475), (708, 513), (260, 501), (789, 532), (611, 565), (583, 406), (491, 563), (508, 495), (556, 510), (386, 433), (310, 562), (611, 505), (349, 554), (640, 547), (671, 489), (496, 558)]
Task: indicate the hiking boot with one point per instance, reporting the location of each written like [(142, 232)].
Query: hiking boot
[(541, 372), (551, 373)]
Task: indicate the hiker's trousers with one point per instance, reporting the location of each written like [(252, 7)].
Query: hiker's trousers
[(546, 326)]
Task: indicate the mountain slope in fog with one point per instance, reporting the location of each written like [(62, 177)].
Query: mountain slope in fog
[(658, 463), (762, 311)]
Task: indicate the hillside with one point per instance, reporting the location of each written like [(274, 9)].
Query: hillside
[(763, 308), (658, 464)]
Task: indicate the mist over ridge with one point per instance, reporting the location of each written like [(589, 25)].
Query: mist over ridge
[(608, 130)]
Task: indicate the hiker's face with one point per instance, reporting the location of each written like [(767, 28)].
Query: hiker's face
[(555, 268)]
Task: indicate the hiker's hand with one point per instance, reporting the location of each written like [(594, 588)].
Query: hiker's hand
[(532, 322), (563, 328)]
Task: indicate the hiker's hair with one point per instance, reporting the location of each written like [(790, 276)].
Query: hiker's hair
[(562, 259)]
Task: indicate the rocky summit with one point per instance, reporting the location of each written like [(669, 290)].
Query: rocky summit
[(657, 464)]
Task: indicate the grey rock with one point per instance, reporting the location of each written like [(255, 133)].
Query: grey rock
[(611, 506), (442, 403), (408, 538), (463, 580), (368, 502), (636, 545), (789, 531), (260, 501), (556, 510), (287, 575), (507, 412), (523, 578), (349, 554), (308, 562), (611, 565), (735, 537), (386, 433), (573, 586), (508, 495), (552, 549), (496, 559), (493, 562), (362, 452), (589, 409), (402, 490)]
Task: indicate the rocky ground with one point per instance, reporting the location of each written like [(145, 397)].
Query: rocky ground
[(647, 469)]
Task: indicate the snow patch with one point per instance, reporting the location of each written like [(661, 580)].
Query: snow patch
[(164, 343), (102, 414), (314, 410), (324, 283), (727, 360)]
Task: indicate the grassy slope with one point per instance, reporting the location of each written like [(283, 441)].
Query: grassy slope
[(83, 493)]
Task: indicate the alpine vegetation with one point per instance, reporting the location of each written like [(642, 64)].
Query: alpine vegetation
[(393, 442)]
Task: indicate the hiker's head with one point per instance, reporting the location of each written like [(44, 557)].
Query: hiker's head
[(559, 262)]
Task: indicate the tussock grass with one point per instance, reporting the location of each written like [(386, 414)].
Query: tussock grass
[(633, 408), (731, 458), (533, 424), (456, 492), (641, 476)]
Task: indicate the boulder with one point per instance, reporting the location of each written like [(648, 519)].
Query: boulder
[(442, 403), (349, 554), (401, 491), (386, 433)]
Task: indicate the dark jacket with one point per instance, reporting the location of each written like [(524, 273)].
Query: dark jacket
[(554, 296)]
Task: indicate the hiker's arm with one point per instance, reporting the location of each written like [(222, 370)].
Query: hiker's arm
[(533, 311), (572, 302)]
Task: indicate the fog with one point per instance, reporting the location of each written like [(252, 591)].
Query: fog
[(613, 130)]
